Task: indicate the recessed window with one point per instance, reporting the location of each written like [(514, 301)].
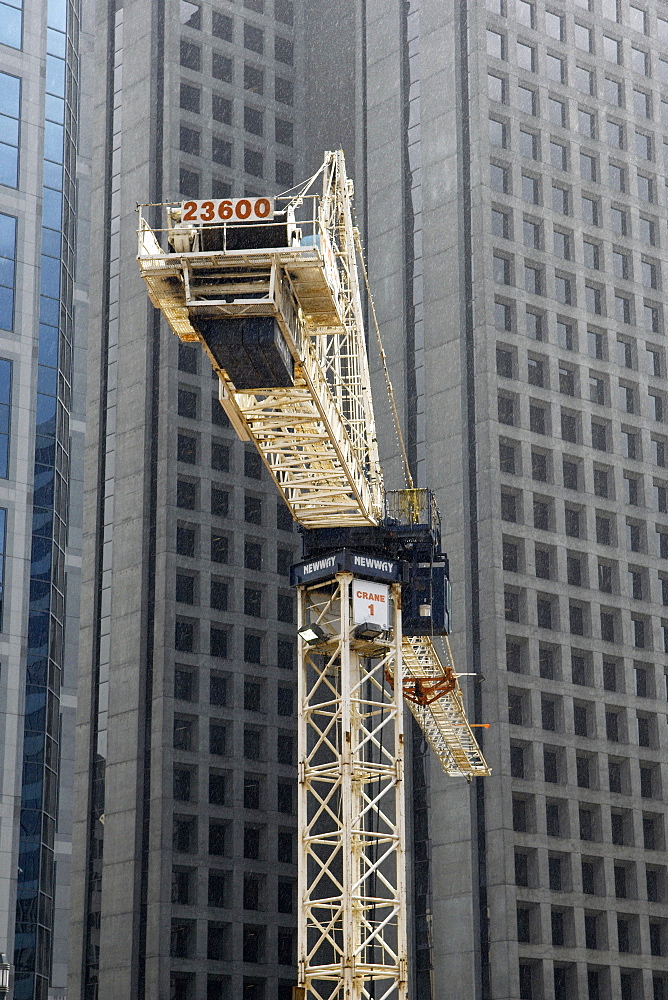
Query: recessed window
[(499, 178), (639, 60), (253, 38), (498, 133), (283, 51), (584, 80), (190, 14), (582, 36), (614, 92), (190, 98), (615, 134), (526, 56), (284, 91), (221, 67), (254, 120), (529, 144), (496, 44), (253, 162), (221, 26), (284, 132), (558, 155), (556, 68), (561, 199), (190, 55), (221, 109), (557, 111), (642, 103), (554, 25), (527, 100), (500, 224)]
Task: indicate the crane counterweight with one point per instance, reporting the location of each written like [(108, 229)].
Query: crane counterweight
[(269, 288)]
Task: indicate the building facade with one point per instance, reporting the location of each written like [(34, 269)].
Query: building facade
[(516, 235), (184, 862), (42, 335)]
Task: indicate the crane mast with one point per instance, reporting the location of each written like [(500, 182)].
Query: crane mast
[(269, 288)]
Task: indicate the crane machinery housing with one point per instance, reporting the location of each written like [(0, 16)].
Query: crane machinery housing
[(269, 288)]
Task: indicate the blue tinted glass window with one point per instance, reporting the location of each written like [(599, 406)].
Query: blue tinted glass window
[(46, 414), (50, 276), (53, 177), (53, 141), (10, 94), (48, 345), (9, 130), (54, 108), (10, 102), (11, 26), (51, 242), (52, 209), (55, 42), (5, 381), (5, 402), (49, 310), (9, 165), (58, 14), (7, 270), (55, 76), (3, 535), (47, 380)]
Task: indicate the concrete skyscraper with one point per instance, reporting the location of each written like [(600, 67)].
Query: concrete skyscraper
[(42, 325), (184, 843), (516, 154)]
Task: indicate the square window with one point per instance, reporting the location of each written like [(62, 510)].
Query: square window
[(253, 38), (254, 120), (531, 189), (283, 51), (561, 199), (615, 134), (221, 67), (498, 133), (496, 44), (558, 155), (527, 100), (584, 80), (583, 37), (499, 178), (557, 111)]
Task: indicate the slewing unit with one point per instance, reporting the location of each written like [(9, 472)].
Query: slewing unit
[(269, 288)]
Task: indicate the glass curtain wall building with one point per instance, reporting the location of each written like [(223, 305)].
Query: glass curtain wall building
[(38, 522), (517, 229)]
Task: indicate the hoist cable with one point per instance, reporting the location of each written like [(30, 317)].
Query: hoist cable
[(383, 358)]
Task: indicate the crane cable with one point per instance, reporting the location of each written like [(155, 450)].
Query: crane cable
[(383, 358)]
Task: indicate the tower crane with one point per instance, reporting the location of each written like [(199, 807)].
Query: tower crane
[(269, 288)]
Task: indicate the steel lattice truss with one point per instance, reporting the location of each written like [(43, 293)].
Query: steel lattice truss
[(443, 720), (317, 437), (352, 933)]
